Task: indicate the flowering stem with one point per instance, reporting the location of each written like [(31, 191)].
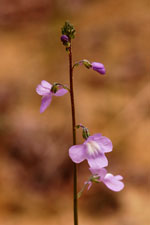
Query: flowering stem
[(84, 186), (77, 63), (80, 193), (75, 203)]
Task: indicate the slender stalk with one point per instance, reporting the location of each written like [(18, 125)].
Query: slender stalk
[(75, 203)]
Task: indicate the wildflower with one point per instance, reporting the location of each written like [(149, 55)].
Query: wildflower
[(93, 150), (99, 67), (114, 183), (47, 90)]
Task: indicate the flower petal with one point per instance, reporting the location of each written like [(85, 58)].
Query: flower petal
[(46, 100), (61, 92), (97, 161), (105, 144), (119, 177), (42, 90), (77, 153), (112, 182), (94, 137), (99, 171), (46, 84)]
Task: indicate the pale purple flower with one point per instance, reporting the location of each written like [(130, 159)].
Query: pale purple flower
[(99, 67), (44, 89), (93, 150), (114, 183)]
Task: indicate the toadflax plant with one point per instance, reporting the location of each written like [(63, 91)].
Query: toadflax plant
[(94, 146)]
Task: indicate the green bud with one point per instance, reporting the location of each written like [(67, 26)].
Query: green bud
[(85, 133), (86, 63), (54, 88), (68, 30)]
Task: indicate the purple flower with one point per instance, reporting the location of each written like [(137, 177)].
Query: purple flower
[(64, 39), (99, 67), (114, 183), (44, 89), (93, 150)]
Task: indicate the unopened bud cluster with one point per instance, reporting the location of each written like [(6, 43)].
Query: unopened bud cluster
[(68, 33)]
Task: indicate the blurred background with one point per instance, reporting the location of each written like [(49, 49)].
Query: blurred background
[(35, 170)]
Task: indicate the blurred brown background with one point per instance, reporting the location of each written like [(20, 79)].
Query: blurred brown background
[(35, 170)]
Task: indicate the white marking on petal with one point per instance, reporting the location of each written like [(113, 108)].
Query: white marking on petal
[(93, 148)]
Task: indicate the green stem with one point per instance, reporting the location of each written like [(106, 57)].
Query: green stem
[(75, 203)]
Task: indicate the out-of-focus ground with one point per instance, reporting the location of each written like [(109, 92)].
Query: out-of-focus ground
[(35, 170)]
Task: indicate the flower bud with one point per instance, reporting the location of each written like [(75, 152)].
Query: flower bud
[(65, 40), (85, 133), (99, 67)]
